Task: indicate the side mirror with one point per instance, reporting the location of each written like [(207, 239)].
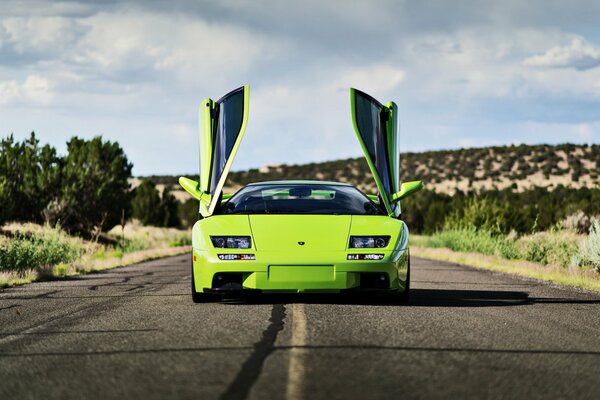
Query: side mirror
[(193, 188), (406, 189), (374, 198)]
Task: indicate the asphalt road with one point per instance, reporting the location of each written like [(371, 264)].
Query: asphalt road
[(135, 333)]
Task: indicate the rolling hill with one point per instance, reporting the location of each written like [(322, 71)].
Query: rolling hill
[(519, 167)]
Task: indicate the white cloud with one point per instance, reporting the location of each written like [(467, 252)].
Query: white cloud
[(35, 88), (377, 78), (578, 54), (136, 72), (187, 49), (183, 132), (48, 34), (9, 92), (588, 132)]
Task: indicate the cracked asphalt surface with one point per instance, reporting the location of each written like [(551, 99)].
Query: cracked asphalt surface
[(134, 333)]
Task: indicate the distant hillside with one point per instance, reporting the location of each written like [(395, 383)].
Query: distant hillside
[(519, 167)]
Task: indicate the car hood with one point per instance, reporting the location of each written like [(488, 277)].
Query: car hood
[(276, 232)]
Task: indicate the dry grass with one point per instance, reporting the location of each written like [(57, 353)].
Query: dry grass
[(583, 278), (136, 243), (152, 236)]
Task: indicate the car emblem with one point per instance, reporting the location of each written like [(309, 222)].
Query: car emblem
[(301, 243)]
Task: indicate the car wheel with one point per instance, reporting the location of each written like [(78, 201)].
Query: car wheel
[(200, 297)]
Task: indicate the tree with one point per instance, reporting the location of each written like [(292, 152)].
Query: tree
[(5, 201), (188, 212), (152, 209), (95, 187), (169, 207), (146, 204), (29, 178)]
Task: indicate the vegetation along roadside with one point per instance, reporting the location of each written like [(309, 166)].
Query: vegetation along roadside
[(568, 254), (62, 215), (31, 252), (521, 209)]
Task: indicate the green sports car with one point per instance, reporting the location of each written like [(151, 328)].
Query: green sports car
[(299, 236)]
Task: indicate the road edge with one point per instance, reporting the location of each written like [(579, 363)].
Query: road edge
[(584, 280), (111, 263)]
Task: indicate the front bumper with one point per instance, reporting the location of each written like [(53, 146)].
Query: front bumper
[(318, 273)]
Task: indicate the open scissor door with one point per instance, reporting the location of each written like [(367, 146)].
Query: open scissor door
[(222, 126), (376, 127)]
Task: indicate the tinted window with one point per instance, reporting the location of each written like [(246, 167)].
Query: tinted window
[(230, 111), (370, 126), (300, 199)]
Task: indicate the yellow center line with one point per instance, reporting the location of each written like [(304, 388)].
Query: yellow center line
[(296, 364)]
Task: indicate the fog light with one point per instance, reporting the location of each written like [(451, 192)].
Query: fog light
[(365, 256), (229, 257)]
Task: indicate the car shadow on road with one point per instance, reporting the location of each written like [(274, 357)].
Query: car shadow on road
[(418, 298)]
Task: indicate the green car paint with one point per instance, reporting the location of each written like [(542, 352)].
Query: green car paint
[(299, 252), (193, 188), (320, 264), (406, 189)]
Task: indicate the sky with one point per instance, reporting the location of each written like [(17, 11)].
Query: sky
[(465, 73)]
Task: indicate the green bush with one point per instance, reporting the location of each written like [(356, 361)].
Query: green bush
[(188, 212), (480, 214), (126, 245), (507, 247), (33, 250), (152, 209), (183, 240), (146, 204), (555, 248), (169, 207), (548, 248), (465, 240), (588, 254), (29, 179), (95, 189)]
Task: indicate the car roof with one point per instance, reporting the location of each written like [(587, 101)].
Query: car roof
[(299, 182)]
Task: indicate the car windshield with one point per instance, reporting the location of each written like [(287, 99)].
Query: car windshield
[(300, 199)]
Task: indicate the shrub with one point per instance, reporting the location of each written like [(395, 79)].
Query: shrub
[(182, 240), (578, 222), (7, 203), (480, 214), (95, 191), (545, 248), (152, 209), (588, 254), (466, 240), (126, 245), (169, 208), (29, 179), (146, 204), (37, 249), (188, 212)]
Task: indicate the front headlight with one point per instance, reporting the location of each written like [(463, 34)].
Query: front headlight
[(231, 242), (369, 242)]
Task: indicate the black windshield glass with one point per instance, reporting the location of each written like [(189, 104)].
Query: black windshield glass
[(300, 199)]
